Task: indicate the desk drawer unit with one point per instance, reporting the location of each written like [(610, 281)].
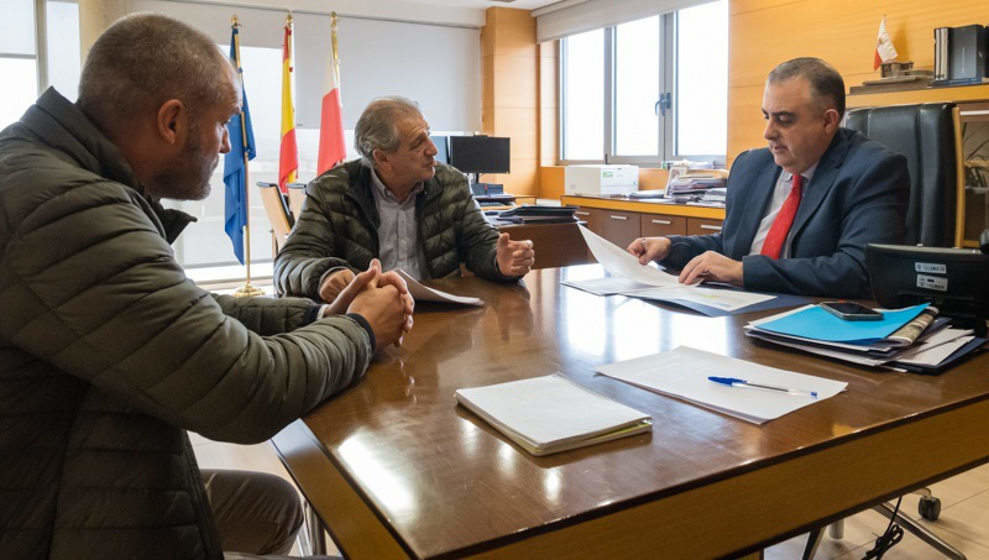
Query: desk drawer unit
[(701, 226), (652, 225), (614, 225)]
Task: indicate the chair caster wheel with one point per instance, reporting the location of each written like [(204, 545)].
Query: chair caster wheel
[(929, 508)]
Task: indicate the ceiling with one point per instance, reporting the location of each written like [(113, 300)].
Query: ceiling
[(517, 4)]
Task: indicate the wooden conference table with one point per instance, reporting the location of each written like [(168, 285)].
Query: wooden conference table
[(395, 469)]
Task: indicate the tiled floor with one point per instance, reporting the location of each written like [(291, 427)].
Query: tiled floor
[(964, 518)]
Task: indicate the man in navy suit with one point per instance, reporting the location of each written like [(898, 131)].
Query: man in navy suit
[(800, 212)]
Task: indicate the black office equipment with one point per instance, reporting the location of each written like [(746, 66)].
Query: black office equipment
[(442, 148), (956, 281), (480, 154), (960, 55), (531, 213)]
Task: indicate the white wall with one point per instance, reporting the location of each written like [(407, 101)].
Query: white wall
[(438, 66)]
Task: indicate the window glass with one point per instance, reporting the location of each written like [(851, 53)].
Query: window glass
[(637, 87), (19, 77), (17, 27), (205, 242), (702, 79), (584, 96), (64, 58)]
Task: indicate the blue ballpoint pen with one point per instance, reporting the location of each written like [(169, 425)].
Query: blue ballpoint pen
[(736, 382)]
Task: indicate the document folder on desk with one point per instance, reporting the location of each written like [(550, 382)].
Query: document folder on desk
[(550, 414)]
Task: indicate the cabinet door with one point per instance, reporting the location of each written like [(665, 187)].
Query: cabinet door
[(701, 226), (621, 228), (652, 225)]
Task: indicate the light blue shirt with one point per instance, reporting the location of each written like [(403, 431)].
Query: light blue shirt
[(398, 232)]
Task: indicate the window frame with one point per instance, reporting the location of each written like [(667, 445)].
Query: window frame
[(667, 129)]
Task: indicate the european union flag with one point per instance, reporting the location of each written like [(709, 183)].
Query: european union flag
[(234, 171)]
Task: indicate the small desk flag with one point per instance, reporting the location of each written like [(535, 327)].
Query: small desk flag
[(234, 162), (885, 51)]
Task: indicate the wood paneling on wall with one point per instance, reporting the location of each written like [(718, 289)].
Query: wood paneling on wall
[(842, 32), (510, 96)]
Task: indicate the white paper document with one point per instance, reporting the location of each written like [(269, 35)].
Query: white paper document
[(930, 352), (606, 286), (617, 261), (423, 293), (662, 286), (683, 373), (551, 413)]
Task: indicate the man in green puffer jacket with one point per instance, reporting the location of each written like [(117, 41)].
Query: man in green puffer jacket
[(108, 353), (398, 204)]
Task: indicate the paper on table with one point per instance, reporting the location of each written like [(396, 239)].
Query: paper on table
[(605, 286), (551, 413), (663, 286), (423, 293), (683, 373), (725, 300), (935, 349), (929, 353), (618, 262)]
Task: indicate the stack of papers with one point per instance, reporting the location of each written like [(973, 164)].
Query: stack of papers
[(424, 293), (629, 278), (683, 373), (909, 339), (551, 414)]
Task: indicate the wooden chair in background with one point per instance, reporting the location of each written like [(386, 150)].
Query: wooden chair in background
[(296, 196), (279, 215)]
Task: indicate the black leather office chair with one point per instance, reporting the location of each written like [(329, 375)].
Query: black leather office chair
[(926, 135)]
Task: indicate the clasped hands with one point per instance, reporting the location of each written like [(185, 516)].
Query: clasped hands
[(382, 298), (709, 265)]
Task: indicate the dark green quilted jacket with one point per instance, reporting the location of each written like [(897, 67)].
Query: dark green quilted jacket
[(108, 354), (338, 226)]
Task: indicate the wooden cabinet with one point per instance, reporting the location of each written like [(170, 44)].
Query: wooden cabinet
[(703, 226), (621, 221), (652, 225), (619, 227)]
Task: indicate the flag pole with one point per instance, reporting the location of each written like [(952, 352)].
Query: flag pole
[(336, 51), (247, 289)]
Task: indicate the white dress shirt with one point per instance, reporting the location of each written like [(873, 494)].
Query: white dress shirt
[(784, 184)]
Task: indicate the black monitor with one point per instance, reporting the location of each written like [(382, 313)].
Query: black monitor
[(480, 154), (442, 149), (956, 281)]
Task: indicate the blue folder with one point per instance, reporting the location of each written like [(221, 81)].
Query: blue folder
[(817, 324)]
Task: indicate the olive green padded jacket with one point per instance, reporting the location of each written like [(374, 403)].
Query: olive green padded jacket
[(108, 354), (338, 226)]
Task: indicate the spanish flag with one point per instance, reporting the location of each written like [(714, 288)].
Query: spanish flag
[(288, 155), (332, 149)]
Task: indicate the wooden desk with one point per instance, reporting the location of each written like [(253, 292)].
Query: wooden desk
[(397, 470)]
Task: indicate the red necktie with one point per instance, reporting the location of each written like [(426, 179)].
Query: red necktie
[(772, 247)]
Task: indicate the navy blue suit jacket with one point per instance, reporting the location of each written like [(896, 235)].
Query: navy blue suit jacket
[(858, 195)]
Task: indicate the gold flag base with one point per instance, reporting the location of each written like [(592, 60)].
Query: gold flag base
[(247, 290)]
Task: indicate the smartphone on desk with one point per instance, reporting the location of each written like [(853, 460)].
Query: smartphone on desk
[(851, 311)]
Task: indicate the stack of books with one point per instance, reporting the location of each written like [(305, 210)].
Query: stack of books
[(912, 339)]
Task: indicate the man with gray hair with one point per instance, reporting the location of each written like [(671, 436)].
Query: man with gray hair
[(396, 203), (800, 213), (108, 353)]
